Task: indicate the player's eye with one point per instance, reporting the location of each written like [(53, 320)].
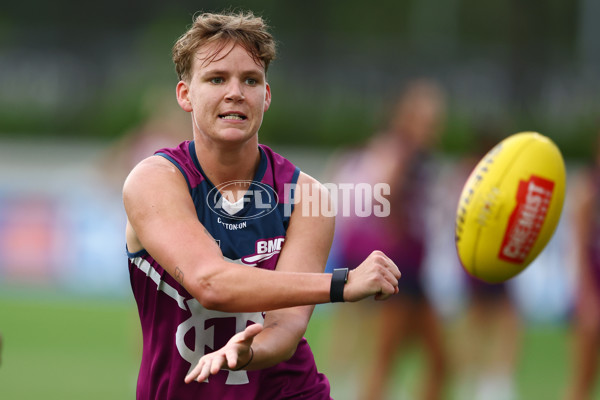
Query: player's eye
[(217, 80), (251, 81)]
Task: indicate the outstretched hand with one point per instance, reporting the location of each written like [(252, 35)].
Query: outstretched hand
[(235, 354), (376, 276)]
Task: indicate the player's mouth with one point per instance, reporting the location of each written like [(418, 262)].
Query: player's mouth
[(233, 116)]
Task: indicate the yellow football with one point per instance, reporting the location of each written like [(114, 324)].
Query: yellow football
[(510, 206)]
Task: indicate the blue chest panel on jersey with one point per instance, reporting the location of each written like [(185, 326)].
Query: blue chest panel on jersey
[(255, 233)]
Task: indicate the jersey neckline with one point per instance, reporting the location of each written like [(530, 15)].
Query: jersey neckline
[(258, 176)]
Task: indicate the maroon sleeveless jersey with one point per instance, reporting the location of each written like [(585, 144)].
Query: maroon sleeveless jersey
[(177, 330)]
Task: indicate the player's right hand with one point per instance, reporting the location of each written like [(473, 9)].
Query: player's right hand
[(377, 276), (227, 357)]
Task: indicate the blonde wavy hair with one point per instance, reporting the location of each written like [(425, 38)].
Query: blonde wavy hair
[(243, 28)]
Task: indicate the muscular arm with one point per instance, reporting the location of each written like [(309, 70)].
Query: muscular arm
[(307, 246), (162, 219), (308, 241)]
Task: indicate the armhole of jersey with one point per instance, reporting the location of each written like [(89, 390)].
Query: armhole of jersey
[(178, 167), (139, 253)]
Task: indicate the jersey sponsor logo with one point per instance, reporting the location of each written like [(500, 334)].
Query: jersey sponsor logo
[(265, 249), (232, 227), (526, 220), (261, 196)]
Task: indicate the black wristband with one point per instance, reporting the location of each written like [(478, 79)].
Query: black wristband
[(338, 280)]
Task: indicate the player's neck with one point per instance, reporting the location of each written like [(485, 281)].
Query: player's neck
[(226, 163)]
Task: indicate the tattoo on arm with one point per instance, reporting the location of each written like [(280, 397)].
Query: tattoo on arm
[(179, 275)]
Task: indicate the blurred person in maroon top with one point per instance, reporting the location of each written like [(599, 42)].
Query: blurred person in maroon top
[(399, 156), (585, 217)]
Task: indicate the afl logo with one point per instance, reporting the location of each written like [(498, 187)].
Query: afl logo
[(252, 200)]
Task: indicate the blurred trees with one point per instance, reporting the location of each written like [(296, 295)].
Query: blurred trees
[(82, 69)]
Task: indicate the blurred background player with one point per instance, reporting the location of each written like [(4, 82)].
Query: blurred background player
[(164, 126), (586, 243), (490, 343), (399, 157)]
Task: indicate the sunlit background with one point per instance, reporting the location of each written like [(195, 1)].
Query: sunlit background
[(87, 90)]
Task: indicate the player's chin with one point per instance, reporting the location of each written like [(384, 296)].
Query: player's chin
[(235, 134)]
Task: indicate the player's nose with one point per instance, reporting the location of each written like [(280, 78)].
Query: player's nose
[(234, 91)]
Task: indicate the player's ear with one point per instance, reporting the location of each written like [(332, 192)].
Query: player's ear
[(267, 97), (183, 96)]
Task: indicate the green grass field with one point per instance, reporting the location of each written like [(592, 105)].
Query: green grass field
[(67, 348), (59, 347)]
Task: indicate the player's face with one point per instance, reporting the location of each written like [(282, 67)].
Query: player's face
[(227, 96)]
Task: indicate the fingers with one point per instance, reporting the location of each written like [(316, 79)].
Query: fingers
[(380, 274), (208, 365), (387, 263), (386, 292), (205, 371), (218, 362), (193, 374), (232, 359), (389, 287), (226, 357), (390, 274), (200, 372), (251, 331)]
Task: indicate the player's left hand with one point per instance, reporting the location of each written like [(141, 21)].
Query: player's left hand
[(233, 355)]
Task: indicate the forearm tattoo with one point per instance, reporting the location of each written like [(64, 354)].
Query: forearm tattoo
[(179, 275)]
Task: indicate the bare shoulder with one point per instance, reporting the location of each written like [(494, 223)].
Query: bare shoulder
[(150, 171), (154, 180), (153, 191), (313, 204), (305, 178), (155, 187), (309, 189), (310, 232)]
